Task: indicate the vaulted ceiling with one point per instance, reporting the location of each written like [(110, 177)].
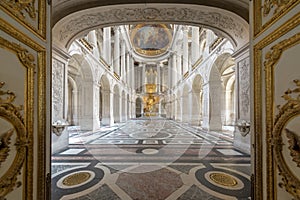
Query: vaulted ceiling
[(72, 19), (62, 8)]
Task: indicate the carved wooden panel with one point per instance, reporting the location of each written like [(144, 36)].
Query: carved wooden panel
[(267, 12), (29, 13), (23, 64)]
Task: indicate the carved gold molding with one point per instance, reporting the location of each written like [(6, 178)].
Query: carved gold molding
[(258, 111), (287, 112), (33, 67), (11, 113), (25, 10), (281, 8)]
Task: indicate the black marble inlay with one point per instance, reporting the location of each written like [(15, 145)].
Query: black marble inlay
[(59, 168), (57, 192), (195, 193)]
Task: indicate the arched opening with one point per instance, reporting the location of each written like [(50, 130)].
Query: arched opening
[(192, 93)]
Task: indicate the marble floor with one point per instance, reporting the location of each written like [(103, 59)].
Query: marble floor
[(150, 159)]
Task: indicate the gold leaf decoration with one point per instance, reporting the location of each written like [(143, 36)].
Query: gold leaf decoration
[(277, 4), (288, 111), (10, 95), (4, 144), (11, 113), (294, 147), (19, 7)]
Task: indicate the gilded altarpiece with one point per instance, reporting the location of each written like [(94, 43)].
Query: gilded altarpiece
[(22, 115), (276, 78)]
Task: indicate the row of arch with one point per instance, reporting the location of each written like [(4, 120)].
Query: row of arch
[(206, 101)]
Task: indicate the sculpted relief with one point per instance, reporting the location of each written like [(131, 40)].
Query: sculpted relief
[(244, 88), (57, 90), (236, 29)]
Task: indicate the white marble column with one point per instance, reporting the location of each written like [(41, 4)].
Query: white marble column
[(125, 108), (195, 45), (185, 53), (127, 68), (174, 73), (158, 77), (116, 62), (123, 60), (106, 115), (179, 61), (205, 106), (122, 107), (111, 108), (89, 115), (212, 118), (132, 77), (143, 77), (92, 38), (196, 108), (169, 84), (107, 45)]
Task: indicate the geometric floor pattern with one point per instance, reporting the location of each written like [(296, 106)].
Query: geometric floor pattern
[(151, 159)]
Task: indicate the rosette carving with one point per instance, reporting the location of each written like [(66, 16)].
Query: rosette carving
[(10, 114), (286, 139)]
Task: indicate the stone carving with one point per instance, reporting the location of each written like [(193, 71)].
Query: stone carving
[(57, 90), (222, 21), (244, 88)]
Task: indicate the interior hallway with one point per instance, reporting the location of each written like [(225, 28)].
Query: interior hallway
[(150, 159)]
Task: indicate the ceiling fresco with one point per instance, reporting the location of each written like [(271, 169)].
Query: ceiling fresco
[(151, 39)]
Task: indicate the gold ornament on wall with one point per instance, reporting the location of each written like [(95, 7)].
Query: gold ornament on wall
[(277, 4), (20, 7), (10, 114), (287, 113), (294, 145)]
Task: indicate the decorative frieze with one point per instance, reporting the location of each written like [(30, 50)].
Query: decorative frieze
[(234, 27)]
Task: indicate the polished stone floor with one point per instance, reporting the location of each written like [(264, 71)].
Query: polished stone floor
[(150, 159)]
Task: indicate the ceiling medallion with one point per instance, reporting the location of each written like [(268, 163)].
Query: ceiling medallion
[(223, 179), (151, 39), (76, 179)]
